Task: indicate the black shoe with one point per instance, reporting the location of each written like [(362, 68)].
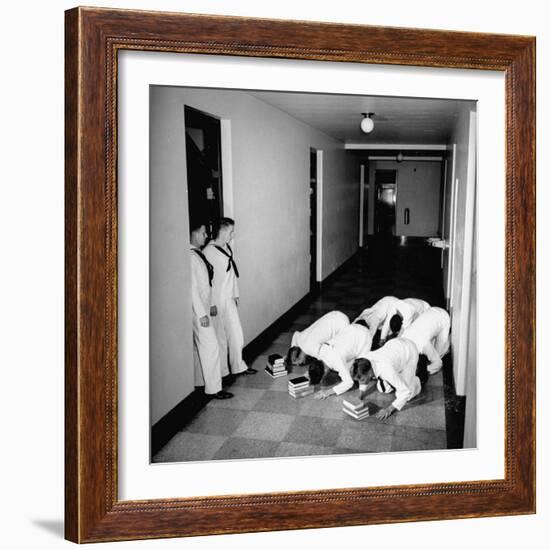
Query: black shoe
[(222, 394), (249, 371)]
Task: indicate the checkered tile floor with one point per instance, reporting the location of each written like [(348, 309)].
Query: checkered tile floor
[(262, 420)]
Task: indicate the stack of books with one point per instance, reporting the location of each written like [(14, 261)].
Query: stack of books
[(300, 387), (355, 407), (276, 366)]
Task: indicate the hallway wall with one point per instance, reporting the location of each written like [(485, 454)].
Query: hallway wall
[(170, 332), (267, 192)]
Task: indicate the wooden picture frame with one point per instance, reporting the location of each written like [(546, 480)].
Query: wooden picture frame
[(93, 511)]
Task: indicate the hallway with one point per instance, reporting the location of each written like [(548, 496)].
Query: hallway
[(262, 420)]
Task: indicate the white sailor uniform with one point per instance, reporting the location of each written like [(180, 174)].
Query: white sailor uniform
[(206, 352), (430, 333), (227, 322), (379, 315), (394, 366), (320, 332), (338, 354), (419, 306)]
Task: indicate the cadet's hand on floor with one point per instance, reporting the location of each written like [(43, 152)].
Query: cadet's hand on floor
[(385, 413), (323, 394), (204, 321), (213, 311)]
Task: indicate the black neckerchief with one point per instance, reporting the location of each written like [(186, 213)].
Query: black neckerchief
[(383, 384), (208, 265), (231, 263)]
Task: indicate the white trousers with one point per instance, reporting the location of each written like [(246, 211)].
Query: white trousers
[(436, 348), (206, 357), (230, 337)]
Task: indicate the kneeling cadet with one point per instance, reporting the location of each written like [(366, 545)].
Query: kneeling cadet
[(338, 354), (430, 333), (394, 368), (306, 344), (392, 315)]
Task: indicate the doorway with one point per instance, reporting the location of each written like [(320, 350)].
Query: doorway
[(204, 168), (385, 200), (312, 219)]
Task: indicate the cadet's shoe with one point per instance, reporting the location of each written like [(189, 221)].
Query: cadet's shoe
[(222, 394)]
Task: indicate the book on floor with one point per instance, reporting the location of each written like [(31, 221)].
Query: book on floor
[(298, 386), (354, 403), (275, 374), (276, 368), (302, 393), (300, 390), (298, 381), (275, 359), (357, 415)]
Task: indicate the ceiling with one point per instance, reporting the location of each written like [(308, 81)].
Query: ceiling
[(396, 120)]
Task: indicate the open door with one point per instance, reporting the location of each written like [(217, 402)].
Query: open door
[(204, 167)]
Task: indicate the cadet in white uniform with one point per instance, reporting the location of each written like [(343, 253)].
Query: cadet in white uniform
[(225, 296), (394, 368), (308, 341), (206, 352), (391, 313), (430, 333), (338, 354)]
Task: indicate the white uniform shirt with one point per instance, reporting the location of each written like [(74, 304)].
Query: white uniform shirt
[(395, 363), (382, 312), (338, 354), (320, 332), (201, 294), (419, 306), (427, 327), (224, 285)]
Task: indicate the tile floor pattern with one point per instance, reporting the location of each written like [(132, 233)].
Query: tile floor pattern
[(262, 420)]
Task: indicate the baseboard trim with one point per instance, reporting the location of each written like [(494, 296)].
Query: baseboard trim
[(264, 339), (338, 271), (176, 419)]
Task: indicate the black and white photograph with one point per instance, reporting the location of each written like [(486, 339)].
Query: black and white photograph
[(312, 274)]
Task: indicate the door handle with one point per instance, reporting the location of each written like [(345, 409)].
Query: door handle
[(407, 216)]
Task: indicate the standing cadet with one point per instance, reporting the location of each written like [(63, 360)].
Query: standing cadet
[(430, 333), (393, 366), (338, 354), (225, 296), (306, 344), (205, 344)]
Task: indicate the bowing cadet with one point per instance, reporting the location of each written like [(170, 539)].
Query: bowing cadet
[(205, 343), (389, 313), (397, 326), (430, 334), (305, 345), (225, 297), (338, 354), (394, 368)]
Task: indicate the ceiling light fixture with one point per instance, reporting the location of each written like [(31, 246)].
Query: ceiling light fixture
[(367, 124)]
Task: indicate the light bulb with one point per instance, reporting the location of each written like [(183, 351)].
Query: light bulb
[(367, 125)]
